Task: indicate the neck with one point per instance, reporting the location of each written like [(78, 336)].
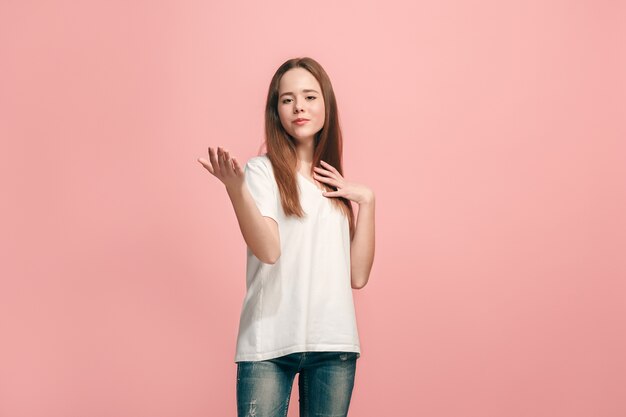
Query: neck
[(304, 152)]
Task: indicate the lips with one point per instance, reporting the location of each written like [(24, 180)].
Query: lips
[(300, 120)]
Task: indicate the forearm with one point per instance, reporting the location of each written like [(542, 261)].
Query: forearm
[(254, 227), (362, 246)]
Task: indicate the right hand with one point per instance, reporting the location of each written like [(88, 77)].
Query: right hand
[(225, 168)]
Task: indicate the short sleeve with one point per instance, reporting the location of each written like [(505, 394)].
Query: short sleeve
[(261, 184)]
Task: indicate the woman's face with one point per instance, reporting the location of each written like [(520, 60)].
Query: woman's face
[(300, 96)]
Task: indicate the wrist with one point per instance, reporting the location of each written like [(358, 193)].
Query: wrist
[(369, 199), (233, 189)]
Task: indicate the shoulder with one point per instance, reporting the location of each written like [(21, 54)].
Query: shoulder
[(259, 159), (260, 162)]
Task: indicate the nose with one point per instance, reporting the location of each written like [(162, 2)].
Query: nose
[(297, 107)]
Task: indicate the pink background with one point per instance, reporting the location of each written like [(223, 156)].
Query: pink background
[(492, 133)]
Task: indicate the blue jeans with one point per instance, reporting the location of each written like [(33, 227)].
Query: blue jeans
[(325, 384)]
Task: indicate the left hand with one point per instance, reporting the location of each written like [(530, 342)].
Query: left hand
[(358, 193)]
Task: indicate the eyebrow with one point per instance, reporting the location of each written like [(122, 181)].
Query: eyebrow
[(290, 93)]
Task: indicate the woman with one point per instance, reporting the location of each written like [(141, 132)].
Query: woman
[(305, 253)]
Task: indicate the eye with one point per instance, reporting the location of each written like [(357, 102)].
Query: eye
[(284, 101)]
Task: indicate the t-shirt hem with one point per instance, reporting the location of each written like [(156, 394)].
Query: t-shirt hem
[(299, 348)]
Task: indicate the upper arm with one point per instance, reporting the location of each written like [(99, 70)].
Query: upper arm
[(262, 187), (273, 226)]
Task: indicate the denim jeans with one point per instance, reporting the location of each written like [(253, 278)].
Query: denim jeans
[(325, 384)]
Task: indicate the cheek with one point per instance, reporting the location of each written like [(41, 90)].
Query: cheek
[(282, 115), (320, 112)]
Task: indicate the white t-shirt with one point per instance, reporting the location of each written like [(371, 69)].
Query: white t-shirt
[(303, 302)]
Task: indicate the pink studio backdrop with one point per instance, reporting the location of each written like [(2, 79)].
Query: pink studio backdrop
[(492, 133)]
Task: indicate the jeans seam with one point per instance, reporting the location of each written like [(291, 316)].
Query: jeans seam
[(287, 402), (306, 396)]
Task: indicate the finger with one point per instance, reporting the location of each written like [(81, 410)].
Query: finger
[(238, 169), (214, 162), (220, 159), (326, 180), (224, 161), (229, 162), (330, 167), (206, 164), (332, 194), (333, 172), (323, 171)]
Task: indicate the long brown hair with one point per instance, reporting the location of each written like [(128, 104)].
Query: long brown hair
[(281, 149)]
